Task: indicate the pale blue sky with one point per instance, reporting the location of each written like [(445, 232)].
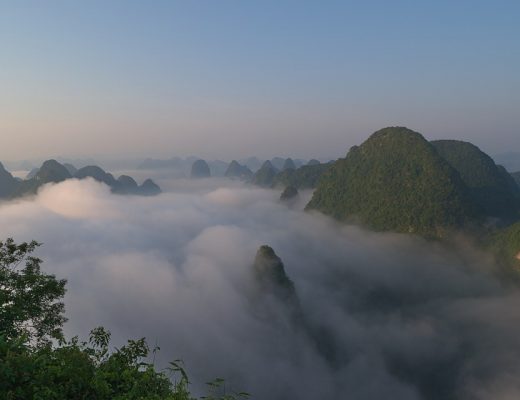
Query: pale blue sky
[(227, 79)]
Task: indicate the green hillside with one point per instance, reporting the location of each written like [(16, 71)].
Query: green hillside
[(395, 181), (265, 175), (305, 177), (505, 244), (491, 187)]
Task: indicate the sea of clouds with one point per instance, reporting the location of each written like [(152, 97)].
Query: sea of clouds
[(383, 315)]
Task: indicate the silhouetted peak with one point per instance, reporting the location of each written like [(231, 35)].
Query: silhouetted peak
[(200, 169), (289, 193), (288, 164), (267, 165), (236, 170), (270, 273), (127, 181), (52, 171), (149, 188), (97, 173)]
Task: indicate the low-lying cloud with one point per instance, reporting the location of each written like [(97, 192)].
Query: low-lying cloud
[(384, 315)]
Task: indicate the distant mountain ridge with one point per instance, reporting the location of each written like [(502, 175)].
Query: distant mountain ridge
[(218, 167), (305, 177), (265, 175), (238, 171), (52, 171)]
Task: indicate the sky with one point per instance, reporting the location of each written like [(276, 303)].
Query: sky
[(230, 79)]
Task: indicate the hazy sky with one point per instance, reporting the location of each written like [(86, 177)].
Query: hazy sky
[(230, 79)]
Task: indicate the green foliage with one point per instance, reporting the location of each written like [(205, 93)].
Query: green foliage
[(217, 391), (395, 181), (76, 370), (305, 177), (490, 186), (270, 274), (289, 193), (505, 244), (32, 366), (29, 299), (265, 175)]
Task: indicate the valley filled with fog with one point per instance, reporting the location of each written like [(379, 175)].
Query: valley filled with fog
[(379, 315)]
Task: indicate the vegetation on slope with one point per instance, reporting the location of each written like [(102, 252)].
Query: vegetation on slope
[(265, 175), (305, 177), (395, 181), (270, 274), (289, 194), (505, 244), (490, 186)]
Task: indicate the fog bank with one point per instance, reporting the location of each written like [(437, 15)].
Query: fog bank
[(384, 315)]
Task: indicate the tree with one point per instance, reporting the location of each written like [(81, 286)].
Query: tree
[(30, 301)]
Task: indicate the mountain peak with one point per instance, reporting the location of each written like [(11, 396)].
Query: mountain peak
[(290, 193), (491, 188), (200, 169), (149, 188), (52, 171), (395, 181), (288, 164), (265, 175), (236, 170), (270, 272)]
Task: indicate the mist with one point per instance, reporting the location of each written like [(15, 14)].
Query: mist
[(382, 315)]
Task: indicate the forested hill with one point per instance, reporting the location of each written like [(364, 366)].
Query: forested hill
[(491, 187), (396, 181)]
